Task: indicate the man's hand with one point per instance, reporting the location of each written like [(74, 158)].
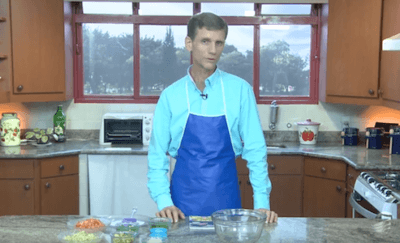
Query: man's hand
[(171, 212), (272, 217)]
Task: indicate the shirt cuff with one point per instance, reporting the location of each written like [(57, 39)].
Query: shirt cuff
[(164, 201), (261, 201)]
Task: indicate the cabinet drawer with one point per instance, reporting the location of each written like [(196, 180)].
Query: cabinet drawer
[(16, 169), (289, 165), (59, 166), (325, 168)]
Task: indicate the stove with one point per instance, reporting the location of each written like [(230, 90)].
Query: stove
[(381, 189)]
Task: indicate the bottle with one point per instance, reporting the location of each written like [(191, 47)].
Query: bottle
[(59, 125), (10, 134)]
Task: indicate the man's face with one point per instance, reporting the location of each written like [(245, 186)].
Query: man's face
[(206, 48)]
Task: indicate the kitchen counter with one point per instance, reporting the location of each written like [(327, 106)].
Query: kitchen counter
[(44, 229), (357, 156)]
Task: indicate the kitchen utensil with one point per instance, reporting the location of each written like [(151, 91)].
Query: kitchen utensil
[(350, 136), (374, 137), (238, 225), (308, 131)]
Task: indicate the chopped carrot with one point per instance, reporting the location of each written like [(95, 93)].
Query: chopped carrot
[(89, 224)]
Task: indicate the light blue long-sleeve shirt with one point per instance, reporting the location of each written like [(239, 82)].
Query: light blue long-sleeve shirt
[(243, 121)]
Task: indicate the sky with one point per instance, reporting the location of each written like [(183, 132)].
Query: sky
[(298, 36)]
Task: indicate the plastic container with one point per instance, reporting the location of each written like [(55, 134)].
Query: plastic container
[(308, 131), (350, 136), (72, 225), (374, 137), (239, 225), (123, 237), (99, 236), (395, 140), (10, 134), (160, 223), (125, 225)]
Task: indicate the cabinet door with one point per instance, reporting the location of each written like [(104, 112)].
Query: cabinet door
[(286, 195), (353, 48), (246, 192), (38, 46), (17, 197), (390, 60), (5, 52), (324, 198), (60, 195)]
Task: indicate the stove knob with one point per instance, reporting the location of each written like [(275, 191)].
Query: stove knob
[(388, 193), (396, 201), (371, 180), (378, 186)]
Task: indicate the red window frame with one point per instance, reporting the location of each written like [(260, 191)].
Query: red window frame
[(79, 18)]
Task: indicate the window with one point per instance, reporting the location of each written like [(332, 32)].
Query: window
[(129, 52)]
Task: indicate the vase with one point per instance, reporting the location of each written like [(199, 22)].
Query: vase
[(10, 133)]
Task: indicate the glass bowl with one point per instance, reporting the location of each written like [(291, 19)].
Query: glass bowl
[(65, 235), (72, 224), (238, 225), (123, 237), (160, 223)]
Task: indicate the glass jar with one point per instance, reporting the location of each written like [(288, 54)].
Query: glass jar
[(10, 133)]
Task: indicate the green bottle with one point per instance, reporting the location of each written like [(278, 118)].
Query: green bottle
[(59, 125)]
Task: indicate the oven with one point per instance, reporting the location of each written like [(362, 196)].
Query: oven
[(376, 195)]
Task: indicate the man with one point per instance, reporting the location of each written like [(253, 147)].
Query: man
[(202, 120)]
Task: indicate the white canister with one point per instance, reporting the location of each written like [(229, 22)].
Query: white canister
[(10, 130), (308, 131)]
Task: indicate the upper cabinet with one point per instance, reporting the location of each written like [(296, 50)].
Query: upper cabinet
[(350, 52), (36, 50), (390, 60)]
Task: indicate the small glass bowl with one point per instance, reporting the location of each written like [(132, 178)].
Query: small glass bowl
[(61, 237), (160, 223), (72, 225), (123, 236)]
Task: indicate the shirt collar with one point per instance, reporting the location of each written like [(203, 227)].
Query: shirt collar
[(210, 81)]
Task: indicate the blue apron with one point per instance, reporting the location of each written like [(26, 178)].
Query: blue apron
[(205, 176)]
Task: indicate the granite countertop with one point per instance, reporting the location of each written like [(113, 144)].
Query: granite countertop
[(45, 229), (357, 156)]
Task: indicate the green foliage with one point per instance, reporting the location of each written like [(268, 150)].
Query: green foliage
[(108, 65), (40, 135)]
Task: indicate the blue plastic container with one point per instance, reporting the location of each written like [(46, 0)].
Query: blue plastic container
[(395, 140), (375, 137), (350, 136)]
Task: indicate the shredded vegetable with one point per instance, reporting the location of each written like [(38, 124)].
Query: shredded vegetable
[(81, 236), (89, 224)]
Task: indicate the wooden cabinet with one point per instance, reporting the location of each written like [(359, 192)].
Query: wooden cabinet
[(39, 186), (324, 188), (285, 173), (352, 39), (390, 60), (36, 63)]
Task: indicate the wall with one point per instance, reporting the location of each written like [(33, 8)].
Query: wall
[(88, 116)]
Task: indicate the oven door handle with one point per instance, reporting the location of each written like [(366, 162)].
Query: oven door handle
[(357, 207)]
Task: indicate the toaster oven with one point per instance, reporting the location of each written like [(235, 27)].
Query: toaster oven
[(126, 128)]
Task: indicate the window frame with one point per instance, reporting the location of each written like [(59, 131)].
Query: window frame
[(79, 18)]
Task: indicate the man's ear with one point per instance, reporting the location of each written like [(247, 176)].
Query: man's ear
[(188, 43)]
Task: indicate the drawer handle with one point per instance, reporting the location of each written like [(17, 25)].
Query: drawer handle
[(20, 88), (48, 185), (272, 167), (248, 182), (323, 170), (27, 187), (338, 188), (61, 167)]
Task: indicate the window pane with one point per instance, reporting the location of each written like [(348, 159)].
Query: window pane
[(163, 57), (286, 9), (285, 61), (237, 57), (228, 9), (181, 9), (108, 59), (107, 8)]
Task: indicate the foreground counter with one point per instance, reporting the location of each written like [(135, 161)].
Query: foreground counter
[(44, 229)]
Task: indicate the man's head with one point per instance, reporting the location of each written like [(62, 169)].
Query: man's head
[(206, 40), (209, 21)]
